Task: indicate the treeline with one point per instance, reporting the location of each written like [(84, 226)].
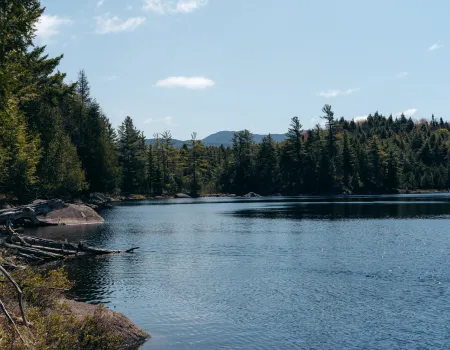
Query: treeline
[(54, 138), (56, 141), (378, 155)]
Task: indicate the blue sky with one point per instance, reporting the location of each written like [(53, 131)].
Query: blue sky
[(210, 65)]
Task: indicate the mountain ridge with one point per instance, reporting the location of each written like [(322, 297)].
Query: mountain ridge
[(222, 138)]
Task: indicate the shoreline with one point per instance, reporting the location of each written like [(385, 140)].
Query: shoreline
[(55, 314), (138, 197), (44, 286)]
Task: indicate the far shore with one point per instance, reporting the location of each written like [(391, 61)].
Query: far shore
[(135, 197)]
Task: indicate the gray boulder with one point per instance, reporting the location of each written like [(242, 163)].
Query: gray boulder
[(251, 195), (182, 195)]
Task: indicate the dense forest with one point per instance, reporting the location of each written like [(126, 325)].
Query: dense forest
[(55, 140)]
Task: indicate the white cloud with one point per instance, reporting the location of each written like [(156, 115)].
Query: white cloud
[(168, 121), (100, 3), (402, 74), (336, 93), (435, 47), (111, 77), (49, 26), (107, 24), (408, 113), (162, 7), (360, 118), (129, 7), (193, 83)]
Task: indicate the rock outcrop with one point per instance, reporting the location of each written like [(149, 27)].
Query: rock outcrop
[(182, 195), (71, 214), (118, 324), (251, 195)]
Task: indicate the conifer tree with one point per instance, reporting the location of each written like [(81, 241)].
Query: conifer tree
[(243, 162), (132, 156)]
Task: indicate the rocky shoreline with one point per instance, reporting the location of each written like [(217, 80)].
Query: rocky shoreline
[(122, 333)]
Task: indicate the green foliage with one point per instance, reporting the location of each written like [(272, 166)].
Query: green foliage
[(53, 325), (243, 162), (55, 140), (132, 157), (20, 153), (267, 167)]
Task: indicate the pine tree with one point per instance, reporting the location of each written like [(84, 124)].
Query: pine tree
[(243, 162), (377, 165), (393, 172), (331, 127), (132, 156), (195, 150), (294, 150), (267, 167), (19, 147), (349, 162)]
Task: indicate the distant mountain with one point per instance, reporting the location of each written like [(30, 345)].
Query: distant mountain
[(223, 138), (176, 143)]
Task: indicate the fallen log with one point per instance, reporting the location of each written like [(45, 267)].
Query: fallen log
[(50, 243), (34, 248), (34, 251), (30, 212), (96, 251)]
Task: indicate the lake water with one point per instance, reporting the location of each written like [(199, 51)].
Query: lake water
[(280, 273)]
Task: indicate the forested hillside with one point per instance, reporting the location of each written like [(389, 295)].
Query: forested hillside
[(56, 141)]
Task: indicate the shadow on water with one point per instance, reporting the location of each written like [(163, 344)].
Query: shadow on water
[(349, 210)]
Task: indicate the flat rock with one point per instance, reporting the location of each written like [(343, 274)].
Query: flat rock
[(72, 214), (117, 323)]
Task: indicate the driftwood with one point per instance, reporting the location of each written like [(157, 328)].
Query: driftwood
[(38, 250), (29, 212)]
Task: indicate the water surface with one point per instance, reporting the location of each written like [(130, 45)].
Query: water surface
[(276, 273)]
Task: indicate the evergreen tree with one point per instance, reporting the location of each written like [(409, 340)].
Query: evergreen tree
[(267, 167), (349, 162), (195, 157), (132, 156), (393, 170), (377, 165), (243, 162), (293, 148)]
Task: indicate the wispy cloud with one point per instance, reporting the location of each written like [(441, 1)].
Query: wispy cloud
[(408, 113), (360, 118), (435, 47), (108, 24), (336, 93), (111, 78), (162, 7), (168, 121), (100, 3), (49, 26), (402, 75), (129, 7), (193, 83)]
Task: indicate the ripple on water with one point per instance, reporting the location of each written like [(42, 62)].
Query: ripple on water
[(277, 275)]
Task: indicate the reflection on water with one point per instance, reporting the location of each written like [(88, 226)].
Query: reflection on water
[(349, 210), (73, 233), (281, 273)]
